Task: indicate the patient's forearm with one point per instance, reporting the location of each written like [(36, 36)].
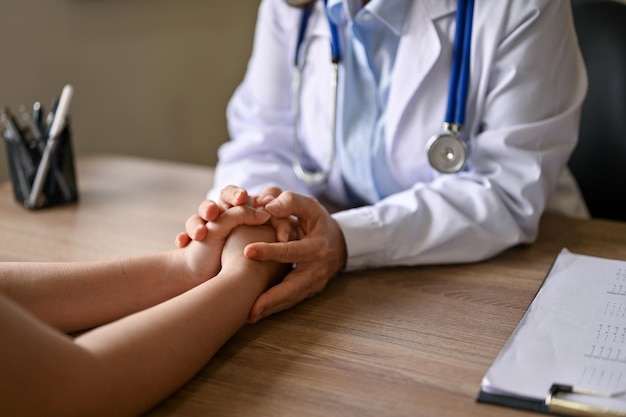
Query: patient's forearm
[(163, 347), (79, 295)]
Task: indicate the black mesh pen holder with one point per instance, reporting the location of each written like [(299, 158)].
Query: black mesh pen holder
[(41, 160), (59, 185)]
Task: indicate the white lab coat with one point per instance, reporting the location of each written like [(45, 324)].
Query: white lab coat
[(527, 85)]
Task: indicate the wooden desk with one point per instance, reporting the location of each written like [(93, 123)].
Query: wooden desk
[(393, 342), (127, 206)]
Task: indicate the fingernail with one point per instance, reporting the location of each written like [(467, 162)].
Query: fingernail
[(262, 215), (249, 252), (238, 195), (258, 316)]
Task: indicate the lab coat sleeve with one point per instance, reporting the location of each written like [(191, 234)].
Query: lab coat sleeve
[(260, 120), (524, 107)]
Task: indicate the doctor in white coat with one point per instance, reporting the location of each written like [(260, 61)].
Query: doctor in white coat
[(527, 84)]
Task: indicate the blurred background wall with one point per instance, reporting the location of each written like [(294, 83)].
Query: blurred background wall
[(151, 77)]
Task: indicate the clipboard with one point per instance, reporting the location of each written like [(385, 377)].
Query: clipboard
[(567, 356)]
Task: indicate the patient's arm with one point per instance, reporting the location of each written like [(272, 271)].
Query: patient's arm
[(127, 366), (79, 295)]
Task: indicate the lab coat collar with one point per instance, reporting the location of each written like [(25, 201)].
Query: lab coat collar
[(418, 51)]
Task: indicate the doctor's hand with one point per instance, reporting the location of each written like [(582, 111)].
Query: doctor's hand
[(318, 255), (230, 196)]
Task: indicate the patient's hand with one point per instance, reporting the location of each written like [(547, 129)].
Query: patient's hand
[(204, 258), (234, 262), (232, 196)]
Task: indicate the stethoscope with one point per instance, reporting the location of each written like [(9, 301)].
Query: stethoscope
[(447, 151)]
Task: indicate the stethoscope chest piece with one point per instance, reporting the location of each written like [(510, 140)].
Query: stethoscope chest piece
[(447, 152)]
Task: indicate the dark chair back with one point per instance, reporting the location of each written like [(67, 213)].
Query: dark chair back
[(599, 160)]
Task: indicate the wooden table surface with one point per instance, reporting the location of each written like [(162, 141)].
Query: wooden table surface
[(387, 342)]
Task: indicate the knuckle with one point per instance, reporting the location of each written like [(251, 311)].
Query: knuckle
[(229, 193), (288, 196), (226, 191), (192, 221), (223, 205), (271, 190), (204, 208), (311, 200), (289, 252)]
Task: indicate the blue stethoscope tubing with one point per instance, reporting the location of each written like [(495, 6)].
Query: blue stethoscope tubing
[(447, 152), (459, 77), (335, 46)]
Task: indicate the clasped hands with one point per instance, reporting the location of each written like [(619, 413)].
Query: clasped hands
[(307, 237)]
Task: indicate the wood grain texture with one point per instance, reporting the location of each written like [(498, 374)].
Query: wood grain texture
[(387, 342), (127, 206)]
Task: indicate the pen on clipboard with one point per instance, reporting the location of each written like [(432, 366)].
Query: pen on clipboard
[(563, 406), (56, 127)]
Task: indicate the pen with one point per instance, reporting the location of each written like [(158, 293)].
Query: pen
[(50, 117), (13, 133), (56, 127), (10, 127), (9, 135), (30, 125), (38, 115), (60, 112), (37, 142)]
